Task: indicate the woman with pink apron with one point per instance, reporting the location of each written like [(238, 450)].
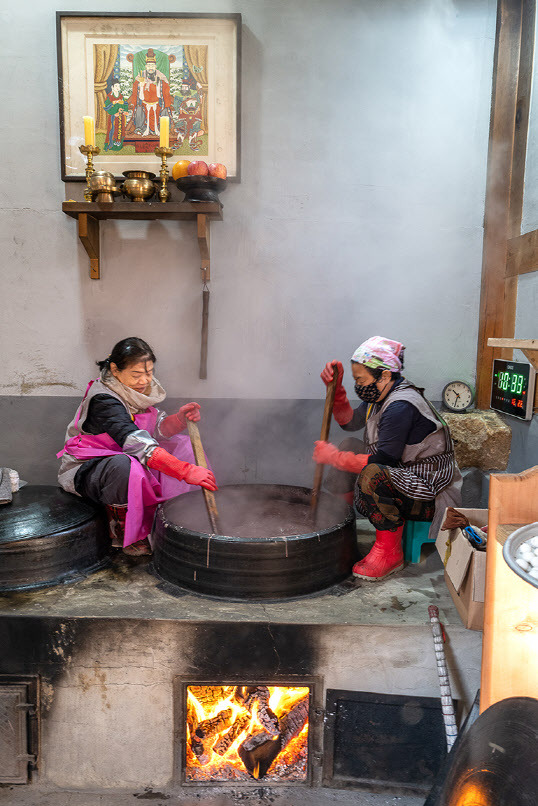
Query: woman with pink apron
[(121, 451)]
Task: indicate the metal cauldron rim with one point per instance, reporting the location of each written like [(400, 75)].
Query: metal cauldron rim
[(234, 538)]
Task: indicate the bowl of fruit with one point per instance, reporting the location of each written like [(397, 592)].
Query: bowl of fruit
[(199, 181)]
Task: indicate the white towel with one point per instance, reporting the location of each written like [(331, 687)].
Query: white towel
[(6, 491)]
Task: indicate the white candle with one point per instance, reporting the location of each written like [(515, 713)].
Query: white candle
[(164, 124)]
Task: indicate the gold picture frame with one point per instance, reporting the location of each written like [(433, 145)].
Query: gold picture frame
[(127, 70)]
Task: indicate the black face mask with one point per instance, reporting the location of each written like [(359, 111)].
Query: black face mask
[(368, 393)]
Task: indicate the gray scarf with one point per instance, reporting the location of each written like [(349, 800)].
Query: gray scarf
[(136, 401)]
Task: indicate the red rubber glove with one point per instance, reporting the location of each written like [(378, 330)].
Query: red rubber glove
[(327, 373), (182, 471), (177, 422), (342, 410), (327, 454)]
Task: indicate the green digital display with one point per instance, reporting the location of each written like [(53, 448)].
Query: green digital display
[(512, 388)]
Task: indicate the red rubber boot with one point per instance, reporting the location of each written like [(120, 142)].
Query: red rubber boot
[(116, 515), (385, 557)]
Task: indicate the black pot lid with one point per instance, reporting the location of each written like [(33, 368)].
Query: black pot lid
[(40, 510)]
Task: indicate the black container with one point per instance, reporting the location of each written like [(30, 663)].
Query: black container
[(48, 536), (256, 568), (201, 188)]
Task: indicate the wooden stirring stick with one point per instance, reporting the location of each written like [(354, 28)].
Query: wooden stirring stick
[(325, 428), (209, 497)]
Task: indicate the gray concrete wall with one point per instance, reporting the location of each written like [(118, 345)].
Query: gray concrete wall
[(364, 144)]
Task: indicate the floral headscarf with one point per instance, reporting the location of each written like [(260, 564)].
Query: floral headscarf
[(378, 352)]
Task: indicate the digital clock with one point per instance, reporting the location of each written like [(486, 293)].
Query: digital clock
[(512, 388)]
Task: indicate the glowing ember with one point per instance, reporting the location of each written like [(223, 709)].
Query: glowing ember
[(240, 733)]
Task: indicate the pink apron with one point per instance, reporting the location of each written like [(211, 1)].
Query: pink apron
[(147, 487)]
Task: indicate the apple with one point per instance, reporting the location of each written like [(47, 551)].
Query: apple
[(180, 169), (197, 168), (218, 169)]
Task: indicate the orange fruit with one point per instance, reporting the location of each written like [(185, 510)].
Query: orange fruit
[(180, 168)]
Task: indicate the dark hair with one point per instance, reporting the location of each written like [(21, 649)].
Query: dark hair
[(128, 351), (111, 82), (377, 373)]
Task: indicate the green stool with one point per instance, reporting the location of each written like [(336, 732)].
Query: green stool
[(415, 534)]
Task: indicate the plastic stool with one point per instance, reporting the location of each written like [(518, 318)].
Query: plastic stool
[(415, 534)]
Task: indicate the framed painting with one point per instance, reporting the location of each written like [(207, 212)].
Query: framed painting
[(126, 71)]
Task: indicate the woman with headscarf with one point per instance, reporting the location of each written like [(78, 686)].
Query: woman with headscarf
[(122, 452), (405, 469)]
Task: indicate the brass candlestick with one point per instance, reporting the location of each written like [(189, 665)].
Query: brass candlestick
[(89, 151), (163, 152)]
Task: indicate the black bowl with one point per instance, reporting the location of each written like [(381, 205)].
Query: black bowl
[(201, 188)]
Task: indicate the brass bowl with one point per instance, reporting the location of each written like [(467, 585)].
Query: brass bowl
[(136, 174), (102, 181), (103, 186), (138, 185)]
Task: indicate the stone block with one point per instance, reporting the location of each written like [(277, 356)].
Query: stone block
[(481, 439)]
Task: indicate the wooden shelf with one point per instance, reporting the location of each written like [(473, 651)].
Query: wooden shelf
[(140, 211), (89, 214)]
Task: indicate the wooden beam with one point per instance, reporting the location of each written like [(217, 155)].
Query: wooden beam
[(523, 103), (504, 188), (204, 246), (522, 254), (515, 344), (88, 232), (509, 313)]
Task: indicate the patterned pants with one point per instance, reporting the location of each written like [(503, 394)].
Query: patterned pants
[(375, 495)]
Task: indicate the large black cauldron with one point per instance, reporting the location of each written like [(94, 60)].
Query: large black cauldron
[(271, 552), (48, 537)]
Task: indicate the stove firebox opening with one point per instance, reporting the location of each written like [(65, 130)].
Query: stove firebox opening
[(246, 733)]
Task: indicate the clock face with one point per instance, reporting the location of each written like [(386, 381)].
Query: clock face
[(457, 396)]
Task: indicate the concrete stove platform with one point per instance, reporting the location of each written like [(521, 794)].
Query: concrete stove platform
[(128, 590), (111, 651)]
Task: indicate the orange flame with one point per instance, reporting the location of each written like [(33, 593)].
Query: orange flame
[(204, 763)]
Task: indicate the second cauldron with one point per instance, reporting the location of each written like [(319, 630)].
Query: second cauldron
[(271, 550)]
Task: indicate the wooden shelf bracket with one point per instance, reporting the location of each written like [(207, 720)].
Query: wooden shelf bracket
[(88, 232)]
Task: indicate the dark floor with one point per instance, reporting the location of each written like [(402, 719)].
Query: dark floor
[(264, 796)]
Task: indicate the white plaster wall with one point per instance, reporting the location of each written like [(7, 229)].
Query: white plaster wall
[(364, 145)]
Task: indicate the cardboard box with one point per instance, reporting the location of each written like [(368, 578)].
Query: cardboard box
[(465, 569)]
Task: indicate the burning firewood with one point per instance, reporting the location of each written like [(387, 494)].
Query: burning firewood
[(294, 721), (209, 727), (226, 741), (259, 697), (258, 751), (202, 736), (209, 695)]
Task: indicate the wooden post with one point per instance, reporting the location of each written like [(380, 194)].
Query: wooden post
[(325, 429), (209, 497), (205, 265), (205, 334), (512, 77)]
